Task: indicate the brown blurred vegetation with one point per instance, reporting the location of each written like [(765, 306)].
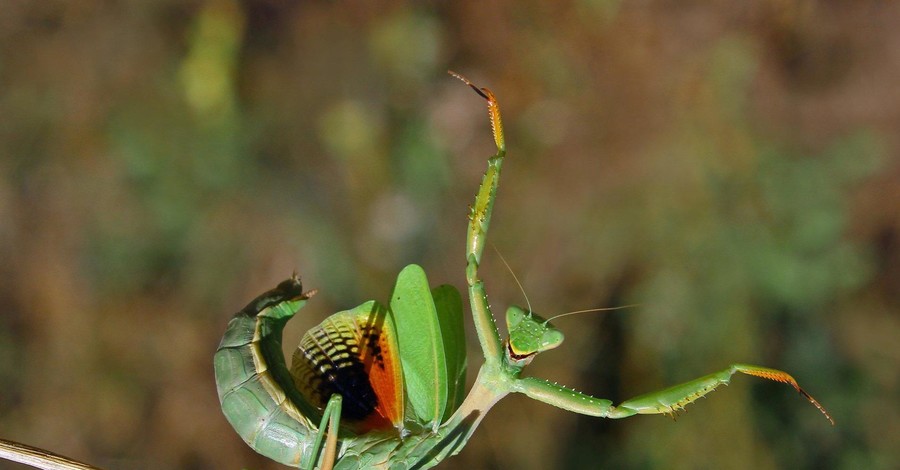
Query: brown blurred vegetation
[(731, 166)]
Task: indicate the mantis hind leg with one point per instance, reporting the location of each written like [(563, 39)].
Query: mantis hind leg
[(331, 419)]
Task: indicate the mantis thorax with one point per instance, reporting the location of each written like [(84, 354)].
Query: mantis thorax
[(529, 334)]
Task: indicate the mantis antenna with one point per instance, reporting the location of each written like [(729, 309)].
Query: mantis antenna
[(589, 310), (528, 302), (513, 274)]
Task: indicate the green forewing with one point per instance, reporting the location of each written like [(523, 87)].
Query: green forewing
[(421, 345), (448, 303)]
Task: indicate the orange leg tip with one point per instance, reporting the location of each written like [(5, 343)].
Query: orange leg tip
[(784, 377), (483, 92), (817, 405)]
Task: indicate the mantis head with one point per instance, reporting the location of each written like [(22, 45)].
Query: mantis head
[(529, 334)]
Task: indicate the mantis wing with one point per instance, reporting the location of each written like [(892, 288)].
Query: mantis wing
[(450, 315), (353, 353), (421, 346)]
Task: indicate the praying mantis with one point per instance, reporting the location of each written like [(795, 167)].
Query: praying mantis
[(382, 386)]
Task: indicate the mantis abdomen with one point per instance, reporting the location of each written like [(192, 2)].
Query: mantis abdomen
[(254, 385), (352, 354)]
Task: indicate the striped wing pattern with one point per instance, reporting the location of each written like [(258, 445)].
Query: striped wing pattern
[(354, 353)]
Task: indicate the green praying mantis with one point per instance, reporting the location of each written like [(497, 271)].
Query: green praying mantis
[(382, 386)]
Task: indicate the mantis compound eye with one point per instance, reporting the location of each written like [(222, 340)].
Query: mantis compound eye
[(550, 339)]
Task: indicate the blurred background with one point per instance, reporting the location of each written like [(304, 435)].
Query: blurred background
[(732, 167)]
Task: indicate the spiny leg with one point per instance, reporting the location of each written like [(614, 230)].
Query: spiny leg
[(331, 419), (479, 220), (667, 401)]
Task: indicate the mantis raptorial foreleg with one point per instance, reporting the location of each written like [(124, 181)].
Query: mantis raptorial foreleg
[(668, 401), (479, 221)]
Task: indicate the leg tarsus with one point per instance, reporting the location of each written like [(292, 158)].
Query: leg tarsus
[(783, 377)]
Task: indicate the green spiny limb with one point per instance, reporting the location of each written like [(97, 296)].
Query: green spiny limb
[(668, 401), (479, 220), (675, 398), (480, 212), (485, 326), (568, 399), (476, 236)]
